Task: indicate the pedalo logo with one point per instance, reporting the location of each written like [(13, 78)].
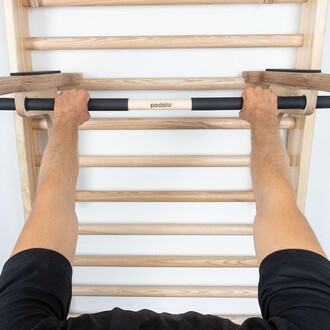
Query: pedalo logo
[(160, 105)]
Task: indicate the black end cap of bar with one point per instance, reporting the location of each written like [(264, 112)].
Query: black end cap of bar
[(33, 73)]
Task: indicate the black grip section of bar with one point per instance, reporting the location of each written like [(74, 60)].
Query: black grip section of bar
[(217, 103), (7, 104), (291, 102), (39, 104), (93, 104), (108, 105), (323, 102), (236, 103)]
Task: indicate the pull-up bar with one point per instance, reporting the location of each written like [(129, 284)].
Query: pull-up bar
[(196, 104)]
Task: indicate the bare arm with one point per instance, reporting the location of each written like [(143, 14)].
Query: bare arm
[(278, 223), (53, 223)]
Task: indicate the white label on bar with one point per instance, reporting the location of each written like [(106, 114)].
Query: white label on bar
[(178, 104)]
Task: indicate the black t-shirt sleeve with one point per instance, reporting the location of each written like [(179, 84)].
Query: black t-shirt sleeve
[(35, 293), (35, 285), (294, 289)]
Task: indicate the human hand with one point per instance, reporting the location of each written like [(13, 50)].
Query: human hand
[(260, 105), (72, 107)]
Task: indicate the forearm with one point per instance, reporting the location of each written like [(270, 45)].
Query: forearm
[(59, 168), (53, 223), (278, 224), (270, 167)]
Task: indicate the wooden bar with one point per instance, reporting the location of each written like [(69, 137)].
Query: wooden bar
[(310, 81), (164, 123), (161, 261), (14, 84), (165, 291), (160, 42), (160, 161), (238, 319), (313, 19), (165, 229), (67, 3), (164, 196), (189, 83), (17, 28)]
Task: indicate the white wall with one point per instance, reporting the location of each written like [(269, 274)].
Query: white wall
[(148, 63)]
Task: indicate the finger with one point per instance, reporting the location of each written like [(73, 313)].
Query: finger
[(242, 114), (85, 93), (246, 91)]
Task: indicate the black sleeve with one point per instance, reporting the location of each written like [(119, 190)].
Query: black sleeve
[(35, 293), (294, 287), (35, 285)]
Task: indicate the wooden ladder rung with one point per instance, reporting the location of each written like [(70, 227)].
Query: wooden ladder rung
[(189, 83), (239, 319), (64, 3), (158, 42), (165, 229), (164, 196), (165, 291), (160, 161), (163, 261), (164, 123)]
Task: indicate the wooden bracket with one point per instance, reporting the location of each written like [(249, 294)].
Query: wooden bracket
[(20, 104), (311, 99), (21, 111), (26, 81), (292, 82), (303, 79), (40, 84)]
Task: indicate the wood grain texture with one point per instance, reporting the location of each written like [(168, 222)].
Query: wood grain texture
[(300, 140), (164, 123), (164, 196), (165, 291), (164, 229), (313, 81), (164, 261), (160, 161), (161, 42), (189, 83), (62, 3), (17, 28), (34, 3), (13, 84)]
